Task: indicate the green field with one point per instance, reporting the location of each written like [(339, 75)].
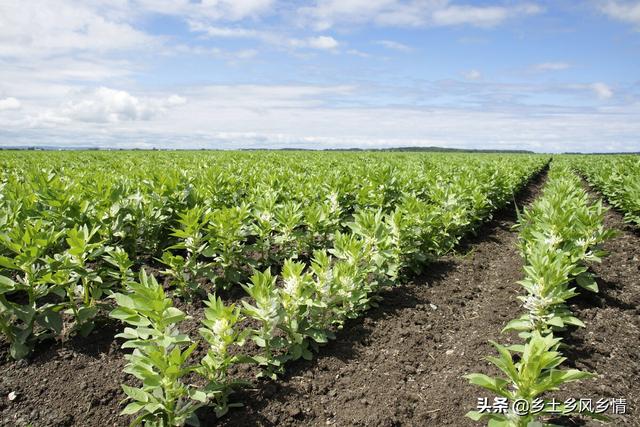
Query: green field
[(283, 248)]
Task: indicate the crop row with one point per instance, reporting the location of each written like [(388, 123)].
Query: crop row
[(72, 235), (295, 312), (74, 226), (618, 178), (559, 235)]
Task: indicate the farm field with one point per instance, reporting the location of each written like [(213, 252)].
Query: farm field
[(312, 288)]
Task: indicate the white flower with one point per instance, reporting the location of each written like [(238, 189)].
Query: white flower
[(291, 285), (333, 199), (265, 216), (553, 240), (220, 326)]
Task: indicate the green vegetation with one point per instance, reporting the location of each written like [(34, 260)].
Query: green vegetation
[(559, 234), (618, 178), (311, 237)]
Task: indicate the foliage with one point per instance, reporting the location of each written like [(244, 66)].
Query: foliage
[(558, 234), (618, 178), (311, 237), (535, 374), (159, 358)]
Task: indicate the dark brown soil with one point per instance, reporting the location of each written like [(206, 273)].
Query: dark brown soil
[(72, 384), (400, 365)]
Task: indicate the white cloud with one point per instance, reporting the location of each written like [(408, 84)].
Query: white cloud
[(234, 9), (602, 90), (226, 32), (356, 52), (481, 16), (326, 13), (269, 37), (552, 66), (47, 28), (265, 97), (472, 75), (320, 42), (390, 44), (210, 10), (9, 104), (174, 100), (107, 105), (312, 116), (626, 11), (473, 15), (410, 13), (230, 56), (245, 54)]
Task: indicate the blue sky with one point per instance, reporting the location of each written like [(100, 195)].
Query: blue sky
[(540, 75)]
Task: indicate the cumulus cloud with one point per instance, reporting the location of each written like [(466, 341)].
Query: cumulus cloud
[(602, 90), (626, 11), (9, 104), (412, 13), (107, 105)]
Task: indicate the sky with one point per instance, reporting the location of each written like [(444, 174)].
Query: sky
[(545, 75)]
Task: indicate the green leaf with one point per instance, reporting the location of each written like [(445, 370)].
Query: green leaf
[(132, 408), (136, 393), (129, 316), (173, 315), (198, 395), (25, 313), (496, 385), (555, 321), (8, 263), (6, 285), (317, 335), (86, 313), (571, 320), (86, 328), (124, 301), (475, 415), (587, 282), (574, 375), (519, 324), (499, 421), (516, 348), (52, 320), (19, 350)]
